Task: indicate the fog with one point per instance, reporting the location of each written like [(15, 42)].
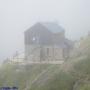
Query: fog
[(18, 15)]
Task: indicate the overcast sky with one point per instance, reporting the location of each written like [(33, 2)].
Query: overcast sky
[(17, 15)]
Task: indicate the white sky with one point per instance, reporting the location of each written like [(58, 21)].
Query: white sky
[(17, 15)]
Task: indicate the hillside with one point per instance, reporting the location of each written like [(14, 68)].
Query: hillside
[(74, 74), (35, 77), (47, 77)]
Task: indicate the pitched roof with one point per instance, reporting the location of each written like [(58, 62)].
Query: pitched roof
[(53, 27)]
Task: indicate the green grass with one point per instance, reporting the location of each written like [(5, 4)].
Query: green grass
[(82, 73), (61, 81), (15, 75), (53, 78)]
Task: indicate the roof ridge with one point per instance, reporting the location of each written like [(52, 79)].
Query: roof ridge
[(53, 27)]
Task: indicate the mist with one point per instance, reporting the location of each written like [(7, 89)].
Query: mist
[(16, 16)]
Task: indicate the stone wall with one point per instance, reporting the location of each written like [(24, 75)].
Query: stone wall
[(43, 53)]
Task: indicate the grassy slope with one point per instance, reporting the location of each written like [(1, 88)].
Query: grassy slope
[(16, 75), (82, 73), (52, 79), (47, 77)]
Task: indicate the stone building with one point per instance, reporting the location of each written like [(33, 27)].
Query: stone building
[(46, 42)]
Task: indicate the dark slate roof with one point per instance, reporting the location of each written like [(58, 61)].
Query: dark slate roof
[(53, 27)]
